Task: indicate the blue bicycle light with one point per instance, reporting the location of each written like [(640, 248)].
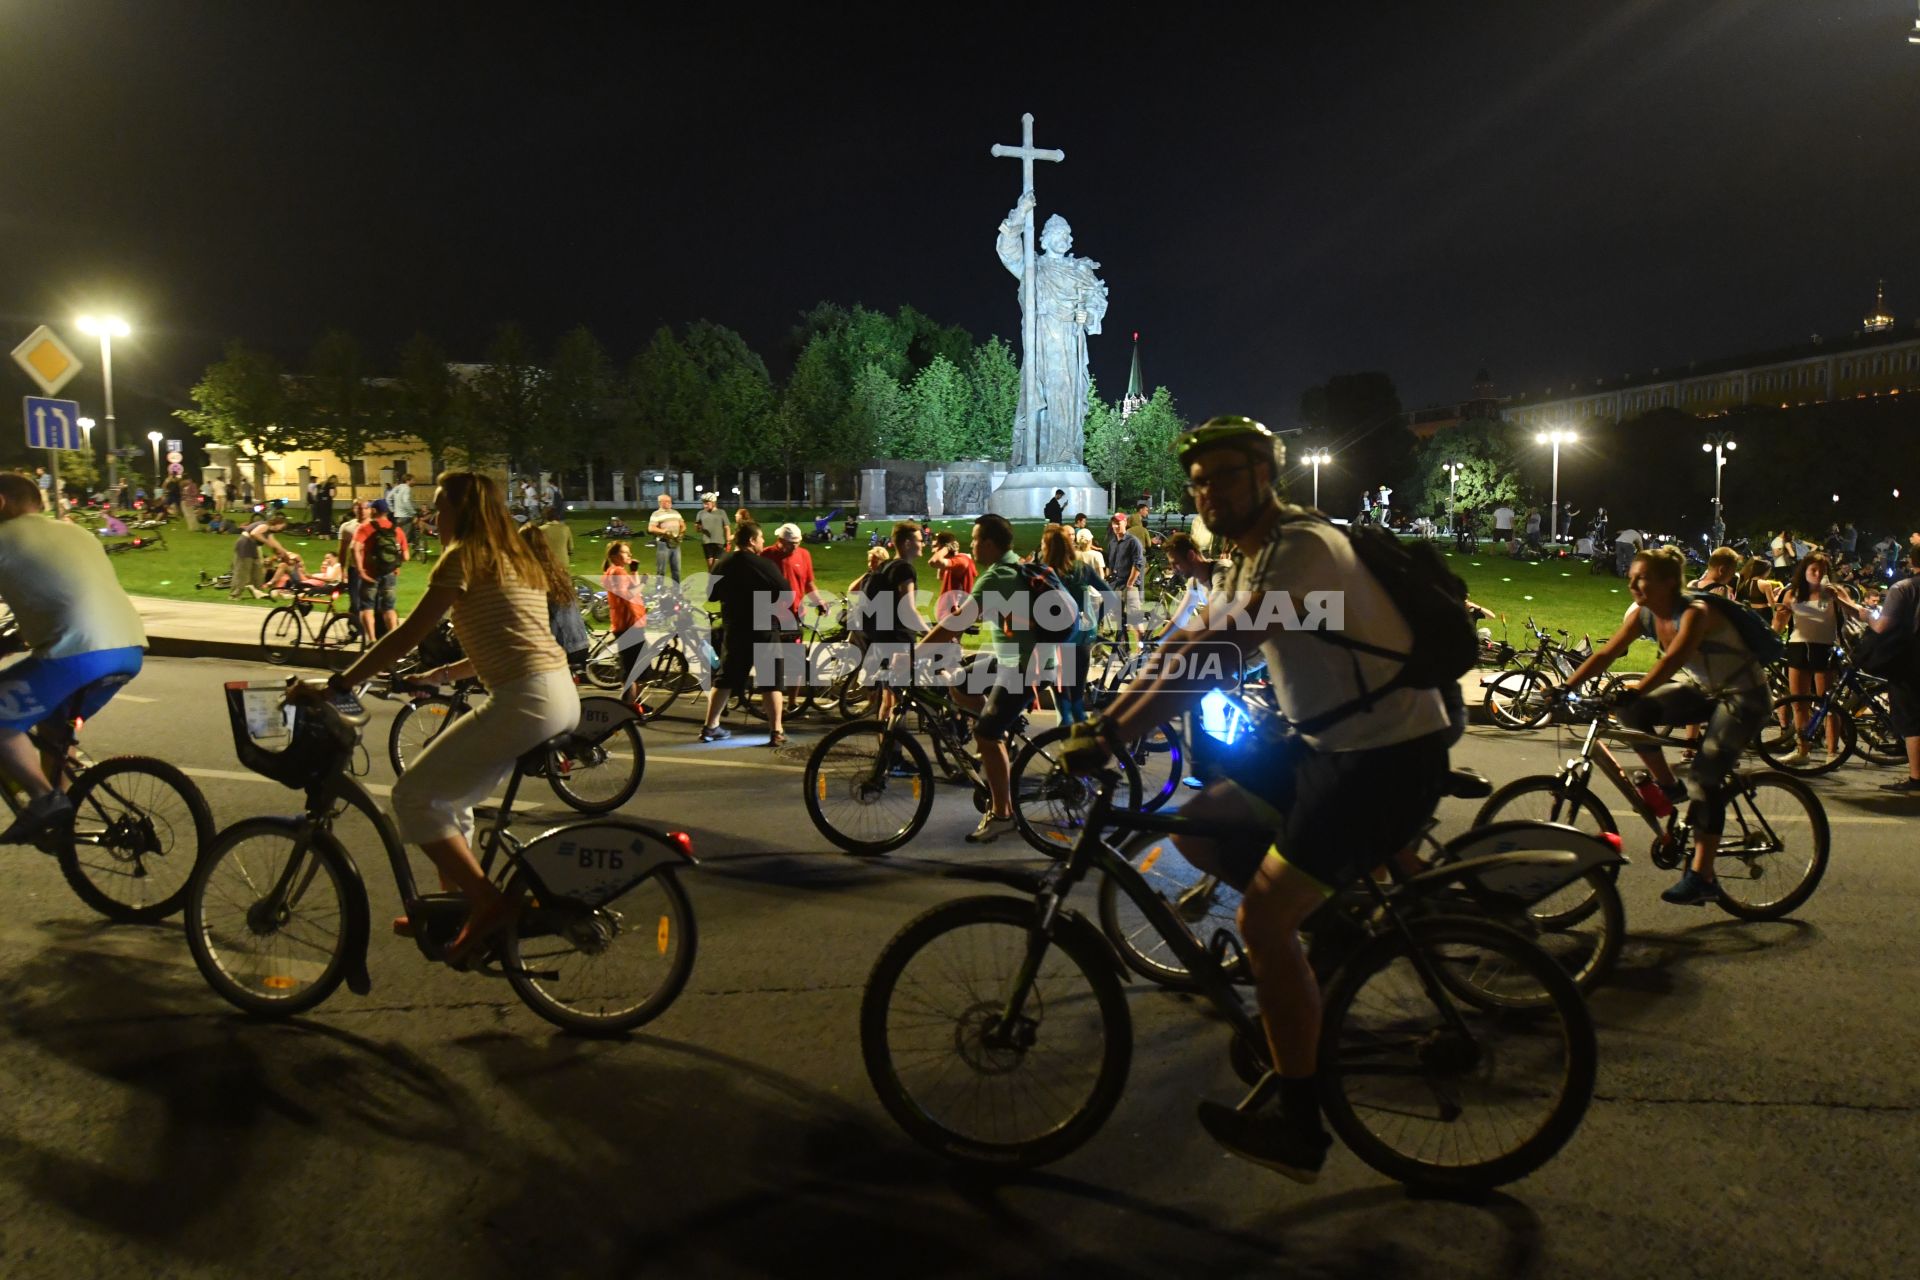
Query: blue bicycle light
[(1222, 719)]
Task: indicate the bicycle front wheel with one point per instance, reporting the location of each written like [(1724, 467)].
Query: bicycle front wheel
[(597, 777), (138, 828), (341, 631), (1520, 699), (282, 633), (1203, 903), (660, 685), (868, 791), (1157, 754), (416, 724), (606, 969), (960, 1077), (267, 921), (1049, 803), (1434, 1087), (1774, 849), (1790, 743)]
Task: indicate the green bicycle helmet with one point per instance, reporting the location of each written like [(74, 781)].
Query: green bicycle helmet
[(1234, 430)]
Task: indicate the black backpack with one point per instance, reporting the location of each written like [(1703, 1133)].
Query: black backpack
[(383, 550), (1052, 613), (1432, 601)]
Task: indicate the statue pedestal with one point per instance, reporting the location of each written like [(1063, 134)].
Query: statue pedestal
[(1024, 494)]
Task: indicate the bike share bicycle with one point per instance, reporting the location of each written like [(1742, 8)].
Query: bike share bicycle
[(1455, 1053), (278, 915)]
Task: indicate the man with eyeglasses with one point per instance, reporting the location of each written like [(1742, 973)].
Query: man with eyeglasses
[(1352, 788)]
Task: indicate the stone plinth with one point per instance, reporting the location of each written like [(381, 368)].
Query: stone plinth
[(1024, 494), (936, 493), (873, 493)]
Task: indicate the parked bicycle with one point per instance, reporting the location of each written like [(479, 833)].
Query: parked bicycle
[(1454, 1053), (311, 621), (278, 916), (1856, 709)]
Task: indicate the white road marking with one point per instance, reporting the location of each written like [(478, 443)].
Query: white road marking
[(669, 757)]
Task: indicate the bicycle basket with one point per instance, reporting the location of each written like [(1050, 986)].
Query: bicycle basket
[(291, 744)]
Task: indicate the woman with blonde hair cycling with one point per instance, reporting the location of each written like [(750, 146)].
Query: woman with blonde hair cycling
[(496, 591)]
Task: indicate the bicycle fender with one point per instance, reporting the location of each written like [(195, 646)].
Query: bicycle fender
[(1528, 860), (596, 860), (358, 924), (600, 716)]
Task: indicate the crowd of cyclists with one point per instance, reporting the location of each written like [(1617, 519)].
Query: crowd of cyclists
[(1350, 788)]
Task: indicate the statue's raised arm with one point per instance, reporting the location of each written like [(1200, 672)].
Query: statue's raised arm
[(1011, 246)]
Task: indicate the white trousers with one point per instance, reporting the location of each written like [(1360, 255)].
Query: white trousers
[(434, 798)]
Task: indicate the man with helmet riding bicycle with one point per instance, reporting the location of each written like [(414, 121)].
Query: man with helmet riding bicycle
[(1344, 795)]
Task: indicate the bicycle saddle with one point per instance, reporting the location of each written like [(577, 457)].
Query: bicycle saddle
[(1465, 784)]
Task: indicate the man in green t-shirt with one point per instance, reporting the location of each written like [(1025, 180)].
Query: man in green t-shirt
[(999, 602), (713, 527)]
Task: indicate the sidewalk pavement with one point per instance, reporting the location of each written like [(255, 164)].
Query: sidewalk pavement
[(225, 629), (213, 628)]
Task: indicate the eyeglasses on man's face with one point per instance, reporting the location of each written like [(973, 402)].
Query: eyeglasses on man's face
[(1201, 484)]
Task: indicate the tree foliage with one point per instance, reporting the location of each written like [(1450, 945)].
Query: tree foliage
[(1489, 468), (242, 400)]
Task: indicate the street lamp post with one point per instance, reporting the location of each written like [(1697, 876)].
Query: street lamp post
[(1556, 438), (153, 438), (1719, 444), (1319, 458), (107, 328), (1453, 470)]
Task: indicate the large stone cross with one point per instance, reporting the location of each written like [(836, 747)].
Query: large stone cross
[(1026, 437)]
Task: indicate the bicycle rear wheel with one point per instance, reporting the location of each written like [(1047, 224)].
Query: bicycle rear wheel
[(1774, 849), (138, 828), (1435, 1085), (282, 634), (607, 969), (268, 928), (1873, 727), (1783, 743), (867, 790), (606, 664), (341, 631), (1162, 764), (954, 1074)]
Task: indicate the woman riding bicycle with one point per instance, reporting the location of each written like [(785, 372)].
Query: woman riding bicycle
[(489, 580), (1727, 688)]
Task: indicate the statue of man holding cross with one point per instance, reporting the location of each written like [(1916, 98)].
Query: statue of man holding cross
[(1062, 303)]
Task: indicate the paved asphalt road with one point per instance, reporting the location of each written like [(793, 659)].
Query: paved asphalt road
[(1755, 1117)]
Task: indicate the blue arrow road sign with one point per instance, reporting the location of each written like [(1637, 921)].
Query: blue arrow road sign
[(53, 424)]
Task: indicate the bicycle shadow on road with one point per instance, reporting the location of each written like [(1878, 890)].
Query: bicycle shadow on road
[(198, 1113), (1654, 964), (684, 1161)]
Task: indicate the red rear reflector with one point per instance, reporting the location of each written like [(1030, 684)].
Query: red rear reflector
[(1612, 839), (681, 841)]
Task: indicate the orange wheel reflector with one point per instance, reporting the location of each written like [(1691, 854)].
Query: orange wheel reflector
[(278, 982), (821, 786), (662, 936), (1146, 863)]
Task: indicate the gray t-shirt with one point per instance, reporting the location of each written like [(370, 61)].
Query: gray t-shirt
[(61, 586), (712, 526)]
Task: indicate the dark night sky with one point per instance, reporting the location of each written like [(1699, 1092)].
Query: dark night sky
[(1559, 189)]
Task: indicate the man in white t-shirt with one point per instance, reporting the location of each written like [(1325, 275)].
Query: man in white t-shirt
[(1357, 785), (1503, 525), (667, 527)]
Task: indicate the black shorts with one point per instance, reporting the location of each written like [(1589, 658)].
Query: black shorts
[(762, 662), (713, 550), (1802, 656), (999, 713), (1904, 708), (1336, 815)]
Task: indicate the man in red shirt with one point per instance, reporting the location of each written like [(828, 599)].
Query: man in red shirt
[(795, 563), (379, 549), (957, 572)]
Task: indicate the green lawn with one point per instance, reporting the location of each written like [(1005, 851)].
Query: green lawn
[(1553, 593)]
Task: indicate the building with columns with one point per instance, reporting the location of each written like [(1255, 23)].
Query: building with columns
[(1882, 358)]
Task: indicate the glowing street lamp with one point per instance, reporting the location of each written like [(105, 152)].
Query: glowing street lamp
[(1318, 458), (107, 328), (1556, 438), (1453, 470), (153, 438), (1719, 444)]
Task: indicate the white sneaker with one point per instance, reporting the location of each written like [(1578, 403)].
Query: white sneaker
[(990, 829)]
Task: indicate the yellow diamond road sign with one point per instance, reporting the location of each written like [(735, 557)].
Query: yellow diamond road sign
[(46, 360)]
